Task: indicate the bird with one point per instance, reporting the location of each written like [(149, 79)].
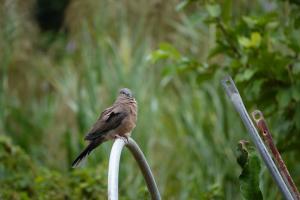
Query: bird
[(116, 121)]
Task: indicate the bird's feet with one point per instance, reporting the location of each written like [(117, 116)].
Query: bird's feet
[(124, 138)]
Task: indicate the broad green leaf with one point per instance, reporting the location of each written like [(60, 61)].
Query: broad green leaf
[(252, 42), (245, 42), (268, 18), (251, 22), (245, 75), (170, 49), (255, 39), (165, 51), (157, 55), (249, 161), (267, 21), (214, 10)]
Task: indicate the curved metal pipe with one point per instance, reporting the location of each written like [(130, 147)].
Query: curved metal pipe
[(113, 169)]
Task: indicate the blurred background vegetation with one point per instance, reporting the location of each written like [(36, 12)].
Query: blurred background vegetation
[(63, 61)]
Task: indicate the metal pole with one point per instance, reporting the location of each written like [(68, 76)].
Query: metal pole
[(237, 101), (261, 124), (113, 169)]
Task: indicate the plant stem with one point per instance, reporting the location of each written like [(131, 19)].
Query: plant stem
[(227, 37)]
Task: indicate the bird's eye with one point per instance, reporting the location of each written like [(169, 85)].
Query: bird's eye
[(126, 93)]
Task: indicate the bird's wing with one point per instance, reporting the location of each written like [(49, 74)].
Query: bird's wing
[(109, 119), (105, 114)]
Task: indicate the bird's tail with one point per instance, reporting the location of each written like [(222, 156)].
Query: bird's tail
[(86, 152)]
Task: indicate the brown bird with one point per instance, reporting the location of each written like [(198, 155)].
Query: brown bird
[(114, 122)]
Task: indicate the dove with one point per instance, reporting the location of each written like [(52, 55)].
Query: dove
[(116, 121)]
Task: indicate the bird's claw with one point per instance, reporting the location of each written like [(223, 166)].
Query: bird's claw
[(124, 138), (127, 139)]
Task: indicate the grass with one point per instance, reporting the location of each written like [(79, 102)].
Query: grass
[(52, 92)]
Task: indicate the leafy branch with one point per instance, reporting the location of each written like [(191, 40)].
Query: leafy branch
[(249, 161)]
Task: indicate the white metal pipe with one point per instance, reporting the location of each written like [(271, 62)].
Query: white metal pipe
[(113, 169)]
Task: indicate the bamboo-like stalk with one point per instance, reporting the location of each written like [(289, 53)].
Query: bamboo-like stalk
[(113, 169), (266, 134)]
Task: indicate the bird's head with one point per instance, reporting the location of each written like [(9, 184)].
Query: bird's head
[(126, 92)]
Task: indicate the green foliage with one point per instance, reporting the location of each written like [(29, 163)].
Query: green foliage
[(257, 46), (53, 87), (249, 161), (214, 10), (16, 171), (22, 178)]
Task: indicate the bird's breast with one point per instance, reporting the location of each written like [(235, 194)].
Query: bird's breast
[(129, 122)]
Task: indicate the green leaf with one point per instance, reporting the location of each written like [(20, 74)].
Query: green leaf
[(245, 75), (245, 42), (216, 51), (249, 161), (256, 87), (268, 21), (168, 70), (252, 42), (214, 10), (157, 55), (272, 25), (255, 39), (283, 98), (170, 50), (296, 68), (165, 51), (250, 21), (182, 5), (292, 39)]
